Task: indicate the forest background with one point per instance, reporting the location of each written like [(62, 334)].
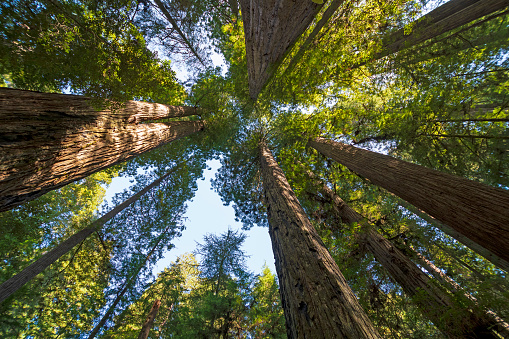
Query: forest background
[(440, 102)]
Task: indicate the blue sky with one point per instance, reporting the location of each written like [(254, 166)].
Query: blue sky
[(207, 214)]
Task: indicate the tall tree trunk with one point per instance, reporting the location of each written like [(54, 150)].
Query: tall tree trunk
[(175, 26), (449, 16), (147, 326), (316, 299), (435, 304), (455, 43), (50, 140), (271, 28), (130, 281), (334, 5), (495, 260), (473, 209), (501, 326), (16, 282)]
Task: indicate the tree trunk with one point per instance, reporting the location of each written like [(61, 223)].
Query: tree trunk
[(50, 140), (317, 301), (449, 16), (455, 43), (150, 320), (175, 26), (334, 5), (473, 209), (502, 327), (16, 282), (130, 281), (271, 28), (495, 260), (435, 304)]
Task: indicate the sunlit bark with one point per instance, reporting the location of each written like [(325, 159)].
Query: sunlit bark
[(50, 140)]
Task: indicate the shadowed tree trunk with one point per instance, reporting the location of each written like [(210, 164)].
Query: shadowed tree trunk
[(317, 301), (150, 320), (271, 28), (473, 209), (13, 284), (435, 303), (50, 140), (449, 16), (502, 327), (495, 260)]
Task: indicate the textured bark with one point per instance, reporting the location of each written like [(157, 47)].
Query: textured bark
[(16, 282), (147, 326), (495, 260), (334, 5), (271, 28), (473, 209), (50, 140), (317, 301), (445, 18), (435, 303)]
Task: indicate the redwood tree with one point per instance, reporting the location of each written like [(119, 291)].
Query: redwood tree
[(475, 210), (449, 16), (11, 285), (48, 140), (316, 298), (150, 320), (270, 29), (433, 301)]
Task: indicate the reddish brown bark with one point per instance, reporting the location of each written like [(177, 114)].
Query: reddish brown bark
[(333, 6), (147, 326), (495, 260), (475, 210), (50, 140), (451, 15), (435, 303), (271, 28), (317, 301), (16, 282)]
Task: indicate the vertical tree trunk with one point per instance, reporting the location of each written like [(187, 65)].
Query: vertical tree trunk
[(176, 27), (317, 301), (449, 16), (150, 320), (495, 260), (473, 209), (16, 282), (501, 326), (271, 28), (435, 303), (130, 281), (50, 140)]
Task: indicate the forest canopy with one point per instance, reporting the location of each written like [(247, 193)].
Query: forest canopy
[(370, 139)]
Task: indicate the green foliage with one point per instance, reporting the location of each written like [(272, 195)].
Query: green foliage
[(434, 104), (216, 298), (90, 48), (66, 298)]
